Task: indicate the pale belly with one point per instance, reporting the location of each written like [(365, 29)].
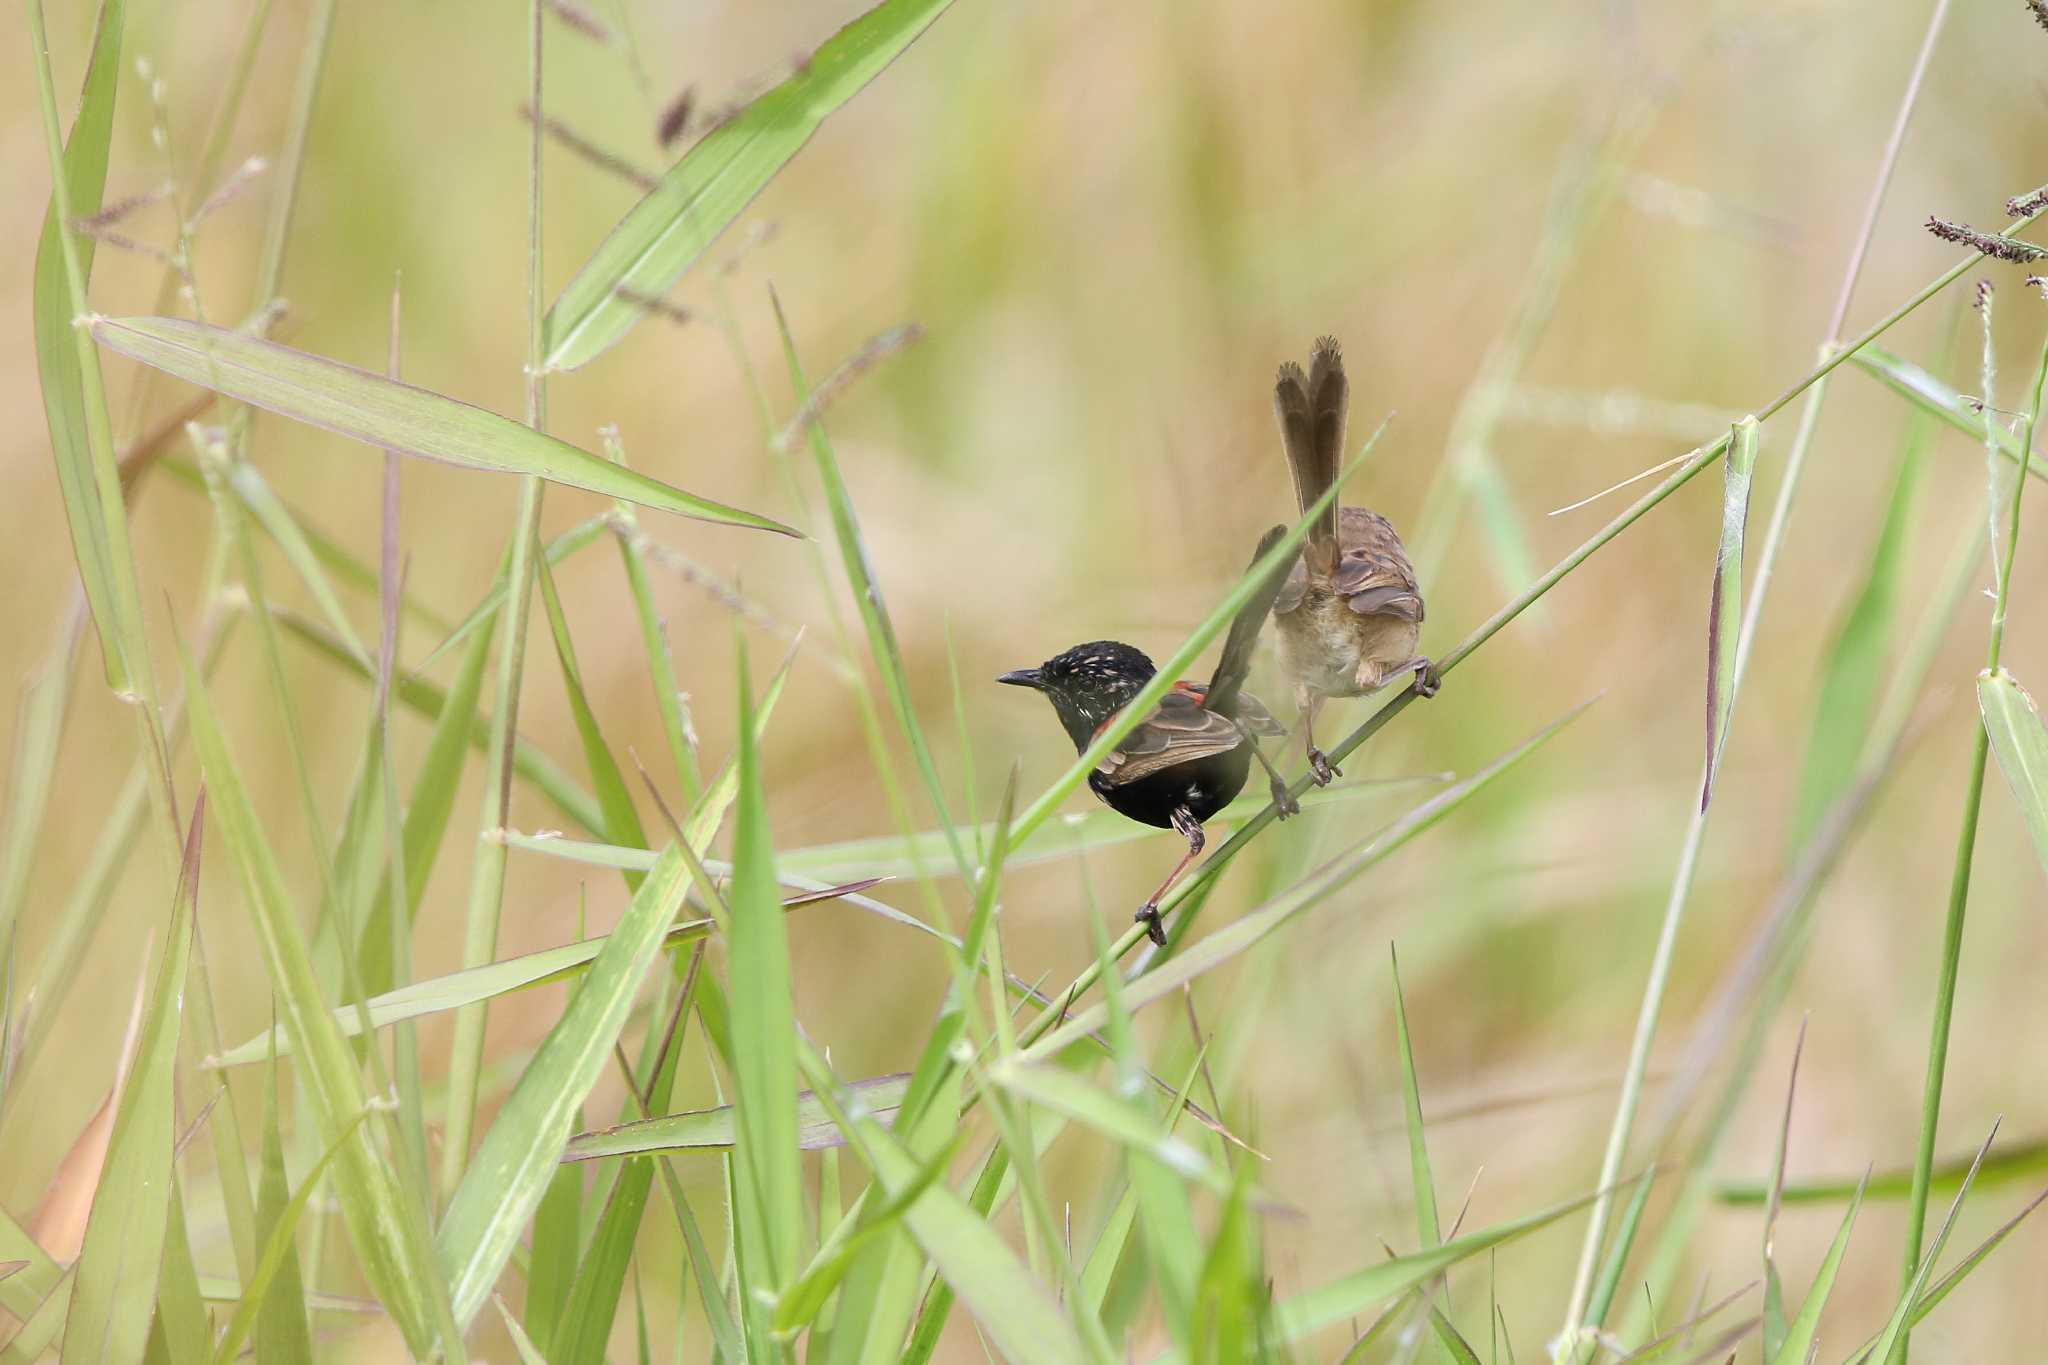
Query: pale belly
[(1325, 643)]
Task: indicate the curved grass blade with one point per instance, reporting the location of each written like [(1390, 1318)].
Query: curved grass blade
[(1997, 1168), (511, 1168), (1932, 396), (715, 1129), (2021, 744), (1012, 1305), (114, 1296), (1799, 1337), (1226, 943), (1376, 1284), (701, 195), (280, 1247), (1724, 615), (767, 1175), (57, 358), (386, 413), (390, 1243)]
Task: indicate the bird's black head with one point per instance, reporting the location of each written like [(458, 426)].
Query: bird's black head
[(1088, 684)]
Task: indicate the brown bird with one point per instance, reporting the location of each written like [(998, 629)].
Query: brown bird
[(1350, 613)]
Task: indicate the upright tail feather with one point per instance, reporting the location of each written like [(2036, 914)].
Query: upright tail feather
[(1312, 409), (1235, 664)]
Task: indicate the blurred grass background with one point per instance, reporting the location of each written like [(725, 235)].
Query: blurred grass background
[(1112, 223)]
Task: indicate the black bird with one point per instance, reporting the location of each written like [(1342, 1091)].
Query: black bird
[(1190, 757)]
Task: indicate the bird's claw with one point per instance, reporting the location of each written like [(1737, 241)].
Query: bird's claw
[(1155, 928), (1429, 680), (1283, 800), (1321, 769)]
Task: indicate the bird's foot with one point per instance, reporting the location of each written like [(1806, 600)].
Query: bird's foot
[(1429, 680), (1155, 928), (1321, 769), (1284, 801)]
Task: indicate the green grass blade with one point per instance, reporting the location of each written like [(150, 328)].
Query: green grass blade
[(1900, 1322), (1376, 1284), (182, 1334), (427, 699), (279, 524), (700, 196), (1936, 398), (390, 1242), (1012, 1305), (529, 1354), (1774, 1326), (41, 1327), (389, 414), (551, 1273), (38, 727), (1799, 1338), (621, 821), (1420, 1178), (867, 593), (280, 1247), (1724, 616), (281, 1329), (767, 1174), (1997, 1168), (717, 1129), (36, 1274), (1226, 943), (571, 542), (511, 1169), (489, 982), (2021, 745), (661, 667), (114, 1295), (57, 356), (1455, 1347)]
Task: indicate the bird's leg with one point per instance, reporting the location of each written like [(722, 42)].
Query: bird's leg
[(1374, 674), (1427, 679), (1148, 914), (1319, 767), (1282, 798)]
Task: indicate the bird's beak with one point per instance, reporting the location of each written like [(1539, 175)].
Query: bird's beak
[(1023, 677)]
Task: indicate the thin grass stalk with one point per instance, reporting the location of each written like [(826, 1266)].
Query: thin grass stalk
[(487, 882), (131, 673), (1571, 1336), (1959, 881)]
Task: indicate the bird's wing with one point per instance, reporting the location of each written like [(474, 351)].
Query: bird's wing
[(1293, 590), (1373, 574), (1180, 731)]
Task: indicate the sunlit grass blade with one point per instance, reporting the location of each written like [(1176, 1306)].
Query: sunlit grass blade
[(529, 1354), (182, 1331), (279, 1247), (85, 156), (1376, 1284), (1455, 1347), (1799, 1338), (768, 1178), (1012, 1305), (1931, 395), (1211, 952), (1997, 1168), (35, 1274), (867, 593), (390, 1242), (511, 1168), (281, 1329), (1234, 1304), (551, 1270), (489, 982), (1947, 1284), (114, 1295), (41, 1327), (1115, 1118), (2021, 745), (1724, 615), (717, 1129), (389, 414), (700, 196), (661, 668)]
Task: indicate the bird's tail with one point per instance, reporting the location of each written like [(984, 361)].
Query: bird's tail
[(1235, 665), (1312, 409)]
